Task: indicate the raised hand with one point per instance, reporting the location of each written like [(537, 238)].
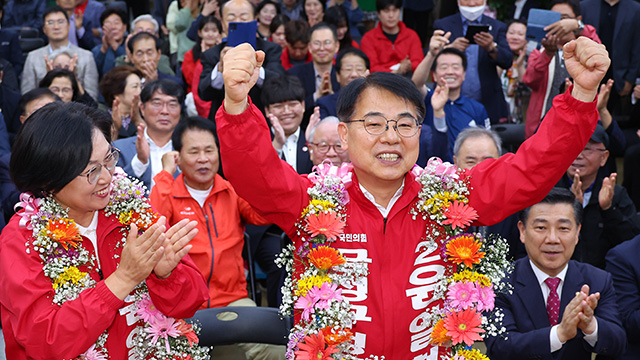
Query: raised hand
[(576, 187), (568, 327), (175, 247), (142, 146), (562, 27), (439, 99), (314, 119), (438, 41), (49, 63), (278, 132), (484, 40), (605, 196), (460, 43), (587, 322), (240, 75), (587, 63), (325, 86), (170, 162), (116, 116)]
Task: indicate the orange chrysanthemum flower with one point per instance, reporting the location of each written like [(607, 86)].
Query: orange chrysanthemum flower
[(463, 326), (144, 218), (329, 225), (439, 334), (324, 257), (65, 232), (459, 215), (336, 336), (464, 249)]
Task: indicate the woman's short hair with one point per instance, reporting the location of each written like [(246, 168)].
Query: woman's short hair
[(56, 73), (280, 19), (54, 146), (115, 81)]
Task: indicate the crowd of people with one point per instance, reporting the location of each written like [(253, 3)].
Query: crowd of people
[(213, 145)]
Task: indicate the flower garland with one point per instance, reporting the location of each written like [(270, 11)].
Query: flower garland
[(474, 266), (57, 240)]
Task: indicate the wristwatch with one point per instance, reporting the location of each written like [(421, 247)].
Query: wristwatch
[(495, 48), (578, 31)]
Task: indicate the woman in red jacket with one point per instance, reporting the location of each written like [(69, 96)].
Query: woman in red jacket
[(87, 269)]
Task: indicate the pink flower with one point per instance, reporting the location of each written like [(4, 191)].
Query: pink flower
[(148, 311), (93, 354), (306, 303), (462, 295), (459, 215), (325, 169), (486, 297), (438, 167), (29, 205), (325, 294), (162, 328)]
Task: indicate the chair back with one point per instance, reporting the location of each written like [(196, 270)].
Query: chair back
[(249, 324)]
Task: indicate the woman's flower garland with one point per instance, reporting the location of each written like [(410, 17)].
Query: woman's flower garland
[(57, 241), (475, 267)]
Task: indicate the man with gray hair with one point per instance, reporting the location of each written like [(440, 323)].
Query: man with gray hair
[(472, 146), (324, 142), (148, 24)]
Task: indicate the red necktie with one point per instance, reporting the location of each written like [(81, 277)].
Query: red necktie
[(553, 301)]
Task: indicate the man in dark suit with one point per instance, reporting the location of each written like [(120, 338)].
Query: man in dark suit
[(622, 263), (318, 77), (211, 87), (490, 49), (520, 9), (580, 316), (619, 29)]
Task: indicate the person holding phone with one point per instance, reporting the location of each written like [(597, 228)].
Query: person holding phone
[(488, 50), (211, 87)]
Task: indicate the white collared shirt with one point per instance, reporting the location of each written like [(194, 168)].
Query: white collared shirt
[(155, 158), (556, 344), (383, 210), (290, 149), (90, 232)]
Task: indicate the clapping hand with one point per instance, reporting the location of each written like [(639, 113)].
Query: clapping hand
[(176, 246)]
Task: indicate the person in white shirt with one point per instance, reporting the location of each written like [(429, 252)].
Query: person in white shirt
[(283, 99), (161, 105)]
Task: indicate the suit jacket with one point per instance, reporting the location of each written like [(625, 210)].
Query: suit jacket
[(90, 21), (524, 14), (127, 147), (10, 49), (492, 96), (625, 52), (307, 75), (328, 105), (210, 59), (622, 263), (527, 323), (35, 69)]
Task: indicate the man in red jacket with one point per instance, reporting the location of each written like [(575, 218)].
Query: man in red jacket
[(390, 303)]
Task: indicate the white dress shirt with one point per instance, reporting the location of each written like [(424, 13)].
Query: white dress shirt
[(383, 210), (90, 232), (155, 158), (556, 344), (290, 149)]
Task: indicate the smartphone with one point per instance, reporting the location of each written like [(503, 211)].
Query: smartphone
[(475, 29), (242, 32), (539, 19)]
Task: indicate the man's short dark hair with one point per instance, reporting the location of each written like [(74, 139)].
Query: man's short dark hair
[(351, 51), (197, 123), (557, 195), (395, 84), (282, 88), (297, 31), (54, 146), (35, 94), (142, 36), (384, 4), (113, 10), (165, 86), (53, 10), (575, 5), (324, 26), (452, 51)]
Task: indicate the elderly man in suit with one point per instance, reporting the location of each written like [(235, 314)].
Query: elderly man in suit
[(141, 156), (211, 87), (559, 308), (486, 51), (56, 27)]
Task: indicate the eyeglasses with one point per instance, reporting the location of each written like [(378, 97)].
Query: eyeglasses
[(109, 163), (54, 22), (406, 125), (158, 104), (323, 147), (293, 104), (318, 44), (590, 151)]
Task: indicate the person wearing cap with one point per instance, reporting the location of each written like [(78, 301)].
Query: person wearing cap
[(609, 214)]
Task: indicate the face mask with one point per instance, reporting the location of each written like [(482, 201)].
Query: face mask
[(471, 13)]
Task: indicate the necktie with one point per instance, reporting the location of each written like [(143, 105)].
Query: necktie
[(553, 301)]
